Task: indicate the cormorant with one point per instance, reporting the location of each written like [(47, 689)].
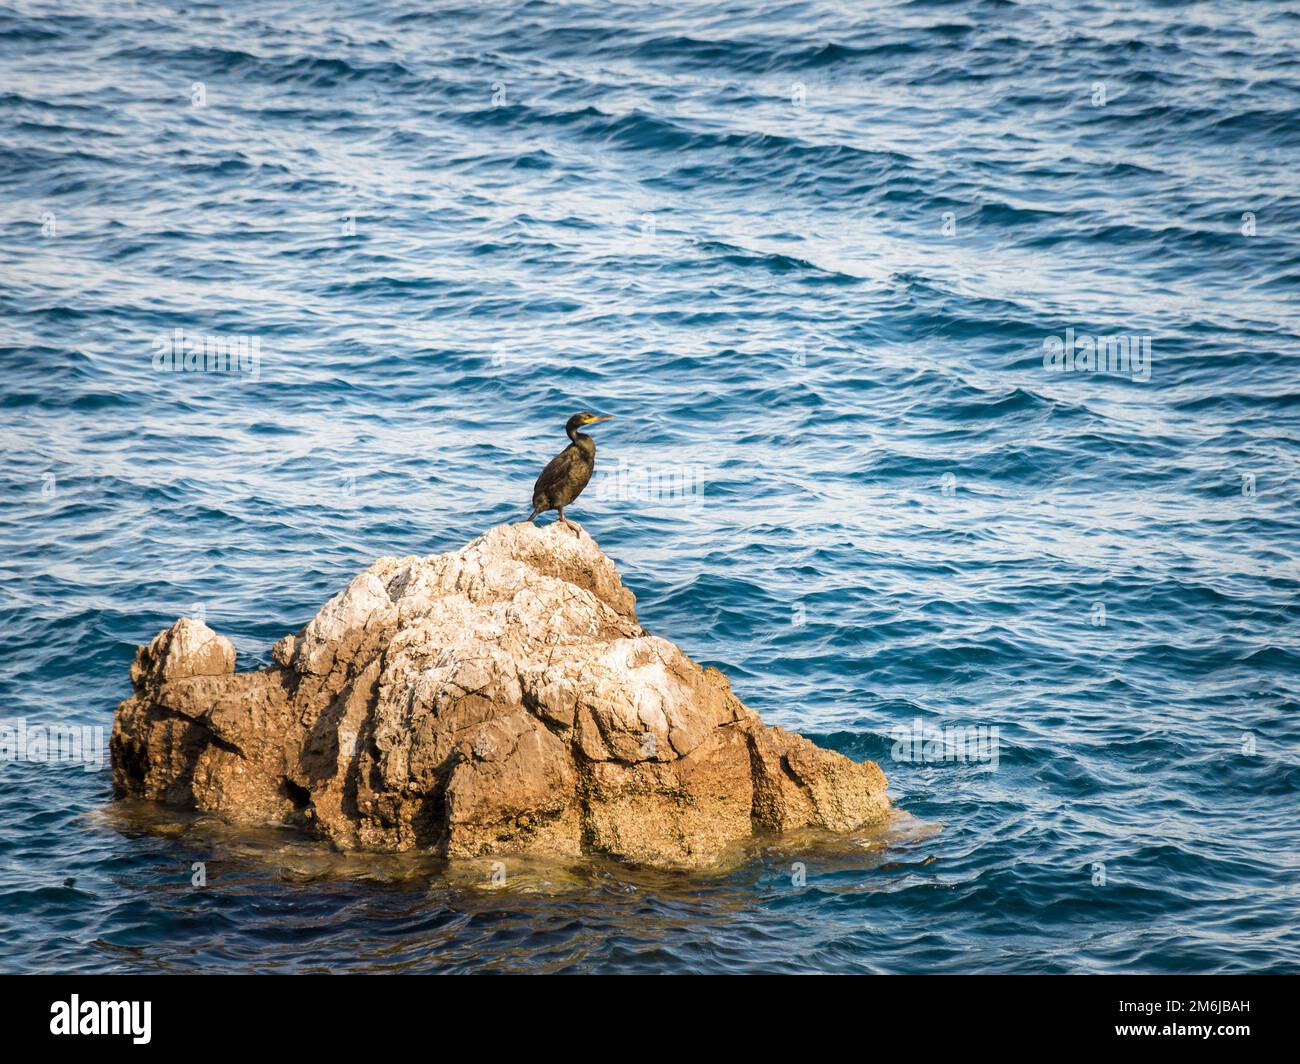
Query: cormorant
[(567, 473)]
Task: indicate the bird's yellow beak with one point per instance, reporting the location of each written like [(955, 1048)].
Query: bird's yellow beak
[(593, 420)]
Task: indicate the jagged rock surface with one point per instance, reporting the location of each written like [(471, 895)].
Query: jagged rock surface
[(500, 699)]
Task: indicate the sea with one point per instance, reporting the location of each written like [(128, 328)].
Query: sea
[(951, 349)]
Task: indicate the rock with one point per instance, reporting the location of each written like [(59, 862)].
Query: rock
[(500, 699), (187, 648)]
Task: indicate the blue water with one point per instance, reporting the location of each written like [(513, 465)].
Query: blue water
[(809, 255)]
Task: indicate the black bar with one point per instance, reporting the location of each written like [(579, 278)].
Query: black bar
[(230, 1013)]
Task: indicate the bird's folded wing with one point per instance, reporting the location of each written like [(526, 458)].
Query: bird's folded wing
[(558, 470)]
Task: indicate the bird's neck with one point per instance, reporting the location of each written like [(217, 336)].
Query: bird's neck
[(583, 442)]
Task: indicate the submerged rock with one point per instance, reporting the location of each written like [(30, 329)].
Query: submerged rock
[(500, 699)]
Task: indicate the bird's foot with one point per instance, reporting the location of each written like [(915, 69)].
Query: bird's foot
[(577, 528)]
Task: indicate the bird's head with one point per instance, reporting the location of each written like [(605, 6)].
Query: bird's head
[(582, 420)]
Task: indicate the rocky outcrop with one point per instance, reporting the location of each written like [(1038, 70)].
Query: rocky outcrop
[(500, 699)]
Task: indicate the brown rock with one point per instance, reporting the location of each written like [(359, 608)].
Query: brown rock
[(500, 699)]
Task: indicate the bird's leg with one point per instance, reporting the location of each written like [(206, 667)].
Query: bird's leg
[(566, 522)]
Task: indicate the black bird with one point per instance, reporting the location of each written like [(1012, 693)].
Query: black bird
[(567, 473)]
